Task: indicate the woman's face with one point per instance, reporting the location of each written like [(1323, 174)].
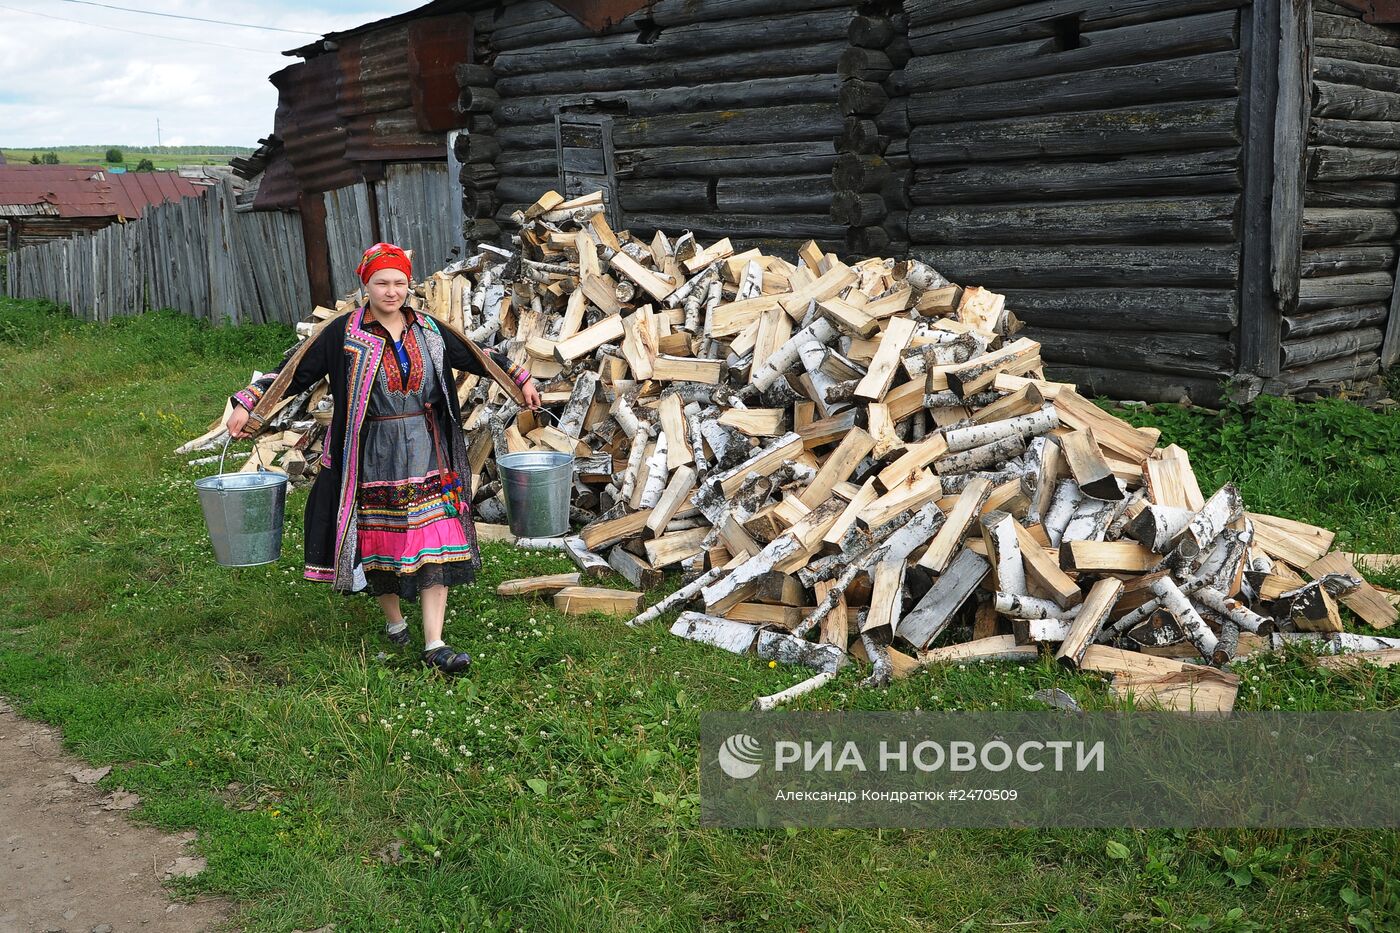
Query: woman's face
[(388, 289)]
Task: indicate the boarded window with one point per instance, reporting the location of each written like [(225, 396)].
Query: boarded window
[(584, 145)]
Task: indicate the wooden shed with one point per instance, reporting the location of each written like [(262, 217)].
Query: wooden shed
[(1182, 198)]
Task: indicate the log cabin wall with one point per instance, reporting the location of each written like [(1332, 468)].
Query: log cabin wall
[(1351, 213), (1086, 160), (723, 112)]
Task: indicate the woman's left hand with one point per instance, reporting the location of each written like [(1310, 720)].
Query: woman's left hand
[(532, 395)]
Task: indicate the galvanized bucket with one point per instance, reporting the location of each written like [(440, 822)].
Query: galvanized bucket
[(243, 512), (537, 485)]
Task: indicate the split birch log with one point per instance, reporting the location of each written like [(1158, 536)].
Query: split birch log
[(1088, 466), (1175, 602), (1024, 427), (1245, 618), (679, 598), (1219, 511), (1159, 527), (1016, 606), (1092, 615), (932, 614), (810, 685), (1004, 552), (1063, 503)]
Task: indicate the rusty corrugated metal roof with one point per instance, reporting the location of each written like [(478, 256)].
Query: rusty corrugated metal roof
[(88, 191), (133, 192), (388, 93)]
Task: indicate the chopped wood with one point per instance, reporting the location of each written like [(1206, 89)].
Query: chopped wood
[(799, 428), (737, 637), (1087, 465), (1106, 557), (548, 585), (1085, 628), (582, 600), (1367, 602)]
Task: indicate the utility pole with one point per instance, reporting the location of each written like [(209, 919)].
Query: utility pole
[(157, 132)]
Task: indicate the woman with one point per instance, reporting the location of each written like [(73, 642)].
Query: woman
[(388, 500)]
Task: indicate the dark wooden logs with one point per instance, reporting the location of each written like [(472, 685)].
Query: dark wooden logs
[(1353, 194), (1345, 102), (1201, 310), (1317, 349), (862, 98), (735, 35), (868, 241), (933, 28), (672, 194), (864, 64), (1339, 290), (668, 100), (1362, 134), (1099, 265), (1297, 326), (478, 175), (1175, 38), (734, 66), (1360, 74), (782, 158), (741, 225), (1191, 354), (1160, 220), (477, 99), (801, 194), (1330, 372), (785, 123), (855, 209), (1338, 163), (1351, 27), (529, 24), (1343, 260), (469, 148), (1183, 174), (1201, 77), (856, 172), (871, 32), (1357, 51), (538, 162), (1328, 226), (475, 75), (1136, 129), (860, 136), (1136, 384)]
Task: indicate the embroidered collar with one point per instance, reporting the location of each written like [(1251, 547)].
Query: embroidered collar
[(410, 317)]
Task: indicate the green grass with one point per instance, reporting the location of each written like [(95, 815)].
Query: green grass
[(163, 157), (556, 789)]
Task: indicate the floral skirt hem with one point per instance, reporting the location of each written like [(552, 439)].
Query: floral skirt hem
[(407, 585)]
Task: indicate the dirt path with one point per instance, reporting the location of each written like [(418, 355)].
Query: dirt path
[(69, 859)]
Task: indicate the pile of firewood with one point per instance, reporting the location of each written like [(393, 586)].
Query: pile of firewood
[(858, 461)]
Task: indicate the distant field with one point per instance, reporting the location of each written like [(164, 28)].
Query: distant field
[(163, 157)]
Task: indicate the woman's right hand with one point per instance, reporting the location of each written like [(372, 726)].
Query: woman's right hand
[(237, 421)]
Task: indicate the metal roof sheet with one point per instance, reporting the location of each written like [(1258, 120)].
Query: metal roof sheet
[(88, 190)]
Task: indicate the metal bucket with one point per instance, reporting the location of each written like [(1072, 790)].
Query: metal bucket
[(244, 513), (537, 485)]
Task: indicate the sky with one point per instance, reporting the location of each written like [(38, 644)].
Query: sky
[(80, 81)]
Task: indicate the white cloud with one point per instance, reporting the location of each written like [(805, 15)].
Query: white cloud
[(65, 83)]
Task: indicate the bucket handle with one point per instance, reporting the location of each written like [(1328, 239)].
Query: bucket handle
[(227, 441)]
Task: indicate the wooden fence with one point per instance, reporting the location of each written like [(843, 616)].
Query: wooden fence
[(196, 255)]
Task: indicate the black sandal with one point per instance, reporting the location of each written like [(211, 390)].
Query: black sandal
[(447, 660), (399, 638)]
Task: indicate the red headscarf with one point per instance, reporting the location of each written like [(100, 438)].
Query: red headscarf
[(383, 256)]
